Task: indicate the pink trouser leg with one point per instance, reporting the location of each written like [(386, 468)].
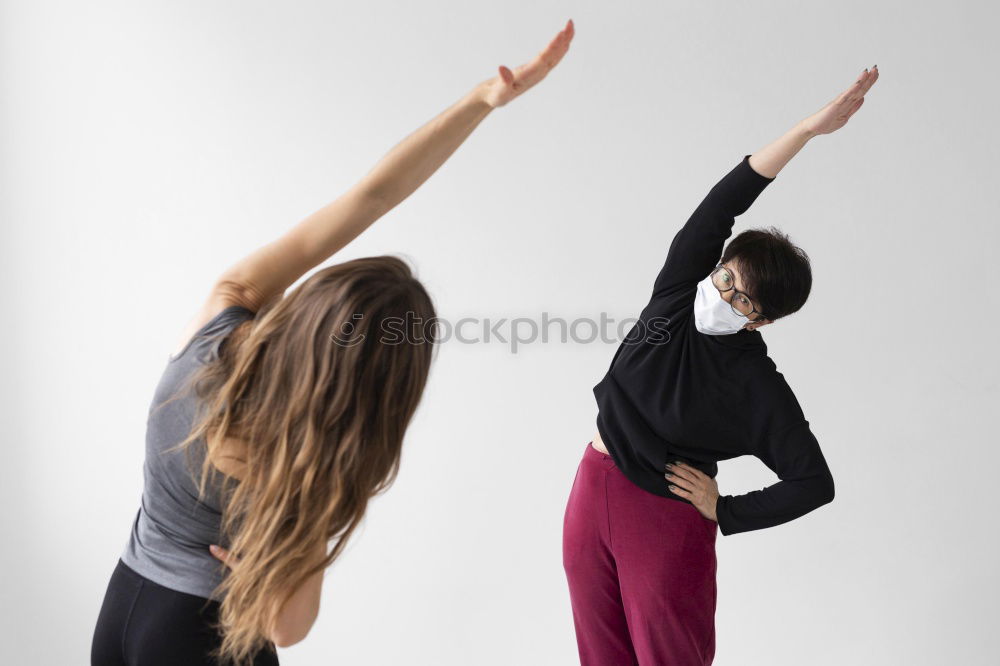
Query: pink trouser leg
[(641, 570), (598, 615)]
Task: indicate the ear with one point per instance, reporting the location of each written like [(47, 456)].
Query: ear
[(757, 324)]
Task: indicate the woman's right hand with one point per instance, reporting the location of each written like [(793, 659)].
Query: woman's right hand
[(835, 114)]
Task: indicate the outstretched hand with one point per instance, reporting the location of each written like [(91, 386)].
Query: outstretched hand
[(835, 114), (507, 85)]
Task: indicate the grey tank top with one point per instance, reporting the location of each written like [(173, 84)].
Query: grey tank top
[(172, 528)]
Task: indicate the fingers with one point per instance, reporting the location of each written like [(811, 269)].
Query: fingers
[(680, 483), (550, 56), (681, 486), (559, 44), (852, 93), (562, 41), (861, 86), (221, 553), (871, 79), (685, 477), (690, 483), (680, 491), (685, 471)]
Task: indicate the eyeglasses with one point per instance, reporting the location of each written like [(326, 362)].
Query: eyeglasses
[(741, 304)]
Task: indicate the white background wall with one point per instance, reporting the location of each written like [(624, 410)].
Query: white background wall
[(147, 146)]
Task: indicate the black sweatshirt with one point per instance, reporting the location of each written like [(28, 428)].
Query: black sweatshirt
[(674, 393)]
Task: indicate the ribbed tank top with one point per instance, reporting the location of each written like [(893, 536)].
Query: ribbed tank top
[(172, 529)]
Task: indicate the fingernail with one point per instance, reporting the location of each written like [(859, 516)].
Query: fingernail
[(669, 465), (213, 548)]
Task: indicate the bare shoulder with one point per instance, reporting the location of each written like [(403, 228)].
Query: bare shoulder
[(213, 305)]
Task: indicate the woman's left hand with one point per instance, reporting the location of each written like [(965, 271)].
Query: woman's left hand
[(836, 113), (695, 486), (222, 554), (503, 88)]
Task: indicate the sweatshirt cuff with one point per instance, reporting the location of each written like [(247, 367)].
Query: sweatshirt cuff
[(722, 515), (754, 174)]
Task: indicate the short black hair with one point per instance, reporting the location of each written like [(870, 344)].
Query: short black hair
[(775, 272)]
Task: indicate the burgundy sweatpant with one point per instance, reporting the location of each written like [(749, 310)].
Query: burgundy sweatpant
[(641, 571)]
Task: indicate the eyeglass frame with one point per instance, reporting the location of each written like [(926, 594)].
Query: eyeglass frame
[(737, 292)]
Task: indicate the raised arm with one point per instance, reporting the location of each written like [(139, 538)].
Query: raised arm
[(698, 245), (269, 270), (772, 158)]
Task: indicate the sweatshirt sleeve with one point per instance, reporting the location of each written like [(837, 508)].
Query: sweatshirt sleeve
[(806, 483), (697, 247)]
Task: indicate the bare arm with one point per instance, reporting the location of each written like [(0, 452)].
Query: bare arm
[(268, 271), (301, 610), (772, 158)]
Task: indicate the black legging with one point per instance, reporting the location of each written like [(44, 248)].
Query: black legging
[(142, 623)]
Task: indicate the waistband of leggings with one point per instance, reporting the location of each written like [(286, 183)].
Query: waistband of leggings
[(126, 570), (594, 454)]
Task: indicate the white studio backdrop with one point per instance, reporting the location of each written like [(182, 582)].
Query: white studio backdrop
[(147, 146)]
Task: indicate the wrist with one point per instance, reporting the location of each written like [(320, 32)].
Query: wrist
[(483, 96), (803, 130), (479, 98)]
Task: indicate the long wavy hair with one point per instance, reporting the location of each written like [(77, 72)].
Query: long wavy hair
[(319, 387)]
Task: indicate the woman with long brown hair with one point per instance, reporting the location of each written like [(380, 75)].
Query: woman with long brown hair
[(278, 418)]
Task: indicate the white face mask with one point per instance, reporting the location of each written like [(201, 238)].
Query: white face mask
[(712, 314)]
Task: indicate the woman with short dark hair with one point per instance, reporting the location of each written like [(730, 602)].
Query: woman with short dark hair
[(691, 385)]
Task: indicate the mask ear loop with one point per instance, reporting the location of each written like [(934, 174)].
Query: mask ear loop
[(760, 317)]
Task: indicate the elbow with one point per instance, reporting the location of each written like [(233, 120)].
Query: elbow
[(299, 612), (284, 639), (827, 490), (292, 631), (375, 199)]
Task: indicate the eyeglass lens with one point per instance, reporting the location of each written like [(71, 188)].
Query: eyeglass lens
[(723, 281)]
